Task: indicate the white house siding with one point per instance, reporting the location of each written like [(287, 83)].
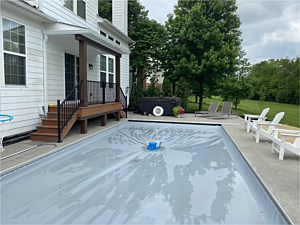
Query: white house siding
[(119, 17), (24, 102), (125, 75), (55, 72)]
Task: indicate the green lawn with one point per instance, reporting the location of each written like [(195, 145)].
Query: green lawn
[(291, 116)]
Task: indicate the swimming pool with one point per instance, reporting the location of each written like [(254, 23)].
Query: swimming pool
[(196, 177)]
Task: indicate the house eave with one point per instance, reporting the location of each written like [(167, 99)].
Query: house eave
[(30, 9), (108, 25)]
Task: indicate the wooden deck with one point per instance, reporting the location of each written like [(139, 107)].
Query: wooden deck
[(48, 130)]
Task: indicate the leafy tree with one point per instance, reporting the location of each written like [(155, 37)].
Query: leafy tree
[(135, 98), (153, 90), (182, 91), (278, 78), (166, 88), (235, 89), (204, 42), (105, 9)]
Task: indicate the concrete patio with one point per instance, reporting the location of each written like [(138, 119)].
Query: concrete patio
[(280, 177)]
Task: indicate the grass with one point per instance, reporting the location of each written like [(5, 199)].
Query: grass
[(290, 118)]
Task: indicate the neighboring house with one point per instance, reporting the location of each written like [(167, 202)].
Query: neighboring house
[(53, 49), (159, 76)]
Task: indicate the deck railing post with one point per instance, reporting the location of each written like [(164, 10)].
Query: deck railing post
[(58, 122), (126, 106)]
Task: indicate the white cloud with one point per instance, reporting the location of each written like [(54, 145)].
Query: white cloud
[(271, 28)]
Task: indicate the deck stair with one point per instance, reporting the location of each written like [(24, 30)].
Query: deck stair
[(48, 130)]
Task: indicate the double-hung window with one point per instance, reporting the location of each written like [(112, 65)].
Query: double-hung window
[(111, 72), (102, 68), (14, 52), (76, 6)]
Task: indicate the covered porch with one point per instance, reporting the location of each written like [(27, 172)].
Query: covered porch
[(88, 98)]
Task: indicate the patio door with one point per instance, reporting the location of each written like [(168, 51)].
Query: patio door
[(71, 74)]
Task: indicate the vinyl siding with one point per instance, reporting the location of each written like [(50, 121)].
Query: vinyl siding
[(25, 102)]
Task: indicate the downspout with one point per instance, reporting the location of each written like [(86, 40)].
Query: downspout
[(45, 74)]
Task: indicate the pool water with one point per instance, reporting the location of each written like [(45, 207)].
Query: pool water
[(196, 177)]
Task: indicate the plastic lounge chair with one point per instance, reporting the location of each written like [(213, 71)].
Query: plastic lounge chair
[(280, 145), (257, 129), (226, 110), (248, 118), (211, 110)]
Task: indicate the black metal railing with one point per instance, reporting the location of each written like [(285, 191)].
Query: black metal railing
[(124, 101), (67, 108), (101, 92)]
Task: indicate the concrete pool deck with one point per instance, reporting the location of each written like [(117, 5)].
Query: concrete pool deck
[(280, 177)]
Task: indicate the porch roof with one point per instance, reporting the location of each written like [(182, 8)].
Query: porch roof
[(59, 28)]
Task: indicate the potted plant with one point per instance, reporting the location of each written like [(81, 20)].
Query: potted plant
[(178, 111)]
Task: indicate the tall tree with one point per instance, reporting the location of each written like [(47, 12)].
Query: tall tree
[(206, 38)]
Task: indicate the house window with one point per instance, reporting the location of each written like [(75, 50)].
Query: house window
[(14, 53), (111, 72), (76, 6), (102, 68), (81, 8), (69, 5)]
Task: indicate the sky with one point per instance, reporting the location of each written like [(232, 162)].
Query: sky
[(270, 28)]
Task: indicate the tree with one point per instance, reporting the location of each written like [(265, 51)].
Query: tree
[(166, 88), (182, 91), (235, 89), (278, 78), (153, 90), (205, 42), (105, 9)]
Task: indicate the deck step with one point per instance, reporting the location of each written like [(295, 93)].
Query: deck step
[(43, 136), (47, 129), (52, 115), (49, 122)]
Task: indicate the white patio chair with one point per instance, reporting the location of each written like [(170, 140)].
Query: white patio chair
[(281, 145), (248, 118), (257, 127)]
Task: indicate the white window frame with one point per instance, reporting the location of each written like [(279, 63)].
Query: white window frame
[(108, 72), (106, 69), (14, 53), (74, 11)]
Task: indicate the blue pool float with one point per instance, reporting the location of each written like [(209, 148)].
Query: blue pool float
[(153, 145)]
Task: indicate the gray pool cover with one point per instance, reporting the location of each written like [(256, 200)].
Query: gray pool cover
[(196, 177)]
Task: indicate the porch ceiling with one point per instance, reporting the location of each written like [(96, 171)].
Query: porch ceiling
[(63, 29)]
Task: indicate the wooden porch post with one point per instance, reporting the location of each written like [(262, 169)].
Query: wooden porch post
[(83, 77), (118, 84), (118, 78), (83, 72)]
